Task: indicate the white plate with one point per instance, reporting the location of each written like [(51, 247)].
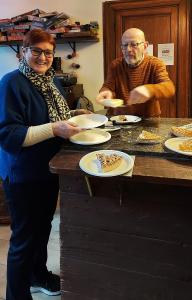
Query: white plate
[(173, 144), (129, 119), (90, 137), (110, 127), (188, 127), (88, 121), (88, 163), (148, 141), (114, 128)]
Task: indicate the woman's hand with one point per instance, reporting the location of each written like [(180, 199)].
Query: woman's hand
[(65, 129)]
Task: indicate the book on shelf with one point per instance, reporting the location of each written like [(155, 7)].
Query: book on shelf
[(37, 24), (56, 30), (26, 25), (34, 12), (59, 25), (13, 30), (48, 15), (15, 36), (73, 34), (3, 38), (29, 18), (4, 26), (55, 20), (20, 27), (5, 21)]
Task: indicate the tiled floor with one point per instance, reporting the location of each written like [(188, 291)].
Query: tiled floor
[(53, 257)]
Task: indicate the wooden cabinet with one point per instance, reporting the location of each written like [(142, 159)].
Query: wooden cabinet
[(130, 239), (163, 21)]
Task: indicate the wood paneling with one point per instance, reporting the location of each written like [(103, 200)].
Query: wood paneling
[(139, 250)]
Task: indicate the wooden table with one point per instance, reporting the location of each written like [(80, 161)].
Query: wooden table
[(126, 238)]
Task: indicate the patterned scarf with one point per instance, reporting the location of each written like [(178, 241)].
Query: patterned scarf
[(58, 108)]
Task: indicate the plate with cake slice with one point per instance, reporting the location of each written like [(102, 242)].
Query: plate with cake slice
[(148, 137), (180, 145), (125, 119), (185, 130), (106, 163), (109, 126)]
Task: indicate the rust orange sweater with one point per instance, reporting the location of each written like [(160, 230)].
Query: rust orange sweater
[(121, 79)]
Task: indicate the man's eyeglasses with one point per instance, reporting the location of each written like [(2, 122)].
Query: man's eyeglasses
[(37, 52), (131, 45)]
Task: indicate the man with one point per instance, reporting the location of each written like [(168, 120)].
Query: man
[(137, 78)]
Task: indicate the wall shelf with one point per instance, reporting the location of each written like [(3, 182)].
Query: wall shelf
[(75, 37)]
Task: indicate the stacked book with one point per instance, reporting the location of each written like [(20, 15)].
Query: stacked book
[(56, 23), (16, 27)]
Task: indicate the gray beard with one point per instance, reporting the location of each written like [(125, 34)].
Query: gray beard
[(136, 64)]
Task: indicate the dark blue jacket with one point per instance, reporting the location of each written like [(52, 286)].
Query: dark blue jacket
[(21, 106)]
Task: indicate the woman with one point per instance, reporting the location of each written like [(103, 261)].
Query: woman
[(33, 121)]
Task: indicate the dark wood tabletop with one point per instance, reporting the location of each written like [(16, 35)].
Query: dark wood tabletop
[(153, 163)]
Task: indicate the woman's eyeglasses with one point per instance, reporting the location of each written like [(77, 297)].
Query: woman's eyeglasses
[(131, 45), (37, 52)]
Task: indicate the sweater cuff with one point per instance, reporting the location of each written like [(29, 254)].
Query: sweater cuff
[(37, 134), (163, 89)]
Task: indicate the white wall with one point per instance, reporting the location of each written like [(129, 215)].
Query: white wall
[(89, 55)]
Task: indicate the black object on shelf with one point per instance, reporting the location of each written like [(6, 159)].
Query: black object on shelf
[(67, 79), (57, 64)]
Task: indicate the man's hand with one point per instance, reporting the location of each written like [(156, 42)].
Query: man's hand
[(140, 94), (65, 129), (104, 95)]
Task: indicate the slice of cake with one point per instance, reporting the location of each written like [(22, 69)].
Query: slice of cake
[(146, 135), (108, 163), (112, 102), (186, 146), (180, 131)]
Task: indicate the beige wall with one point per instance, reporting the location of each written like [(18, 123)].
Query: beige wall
[(89, 55)]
